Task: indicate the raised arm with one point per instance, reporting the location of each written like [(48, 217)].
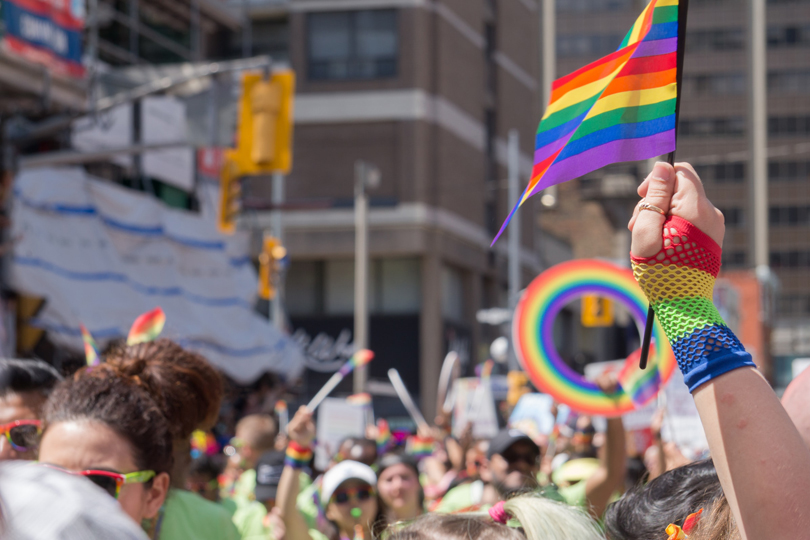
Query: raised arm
[(762, 462), (609, 477), (301, 431)]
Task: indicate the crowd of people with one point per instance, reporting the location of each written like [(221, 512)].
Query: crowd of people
[(135, 427)]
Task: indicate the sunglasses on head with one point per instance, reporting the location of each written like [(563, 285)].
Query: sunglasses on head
[(343, 496), (110, 481), (23, 435)]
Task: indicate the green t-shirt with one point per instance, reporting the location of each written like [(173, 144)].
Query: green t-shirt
[(249, 517), (467, 496), (244, 490), (187, 516)]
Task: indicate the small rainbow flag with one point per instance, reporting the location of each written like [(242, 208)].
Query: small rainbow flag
[(384, 439), (419, 447), (90, 348), (623, 107), (485, 369), (361, 399), (281, 407), (642, 385), (147, 327), (360, 358)]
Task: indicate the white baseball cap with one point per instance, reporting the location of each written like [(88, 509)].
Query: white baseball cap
[(345, 470)]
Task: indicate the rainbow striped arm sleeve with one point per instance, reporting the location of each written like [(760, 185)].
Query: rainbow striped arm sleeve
[(679, 282)]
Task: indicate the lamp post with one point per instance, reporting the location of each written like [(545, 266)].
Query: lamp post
[(366, 176)]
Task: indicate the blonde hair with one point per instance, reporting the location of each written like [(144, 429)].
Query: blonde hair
[(716, 523), (538, 519), (257, 431)]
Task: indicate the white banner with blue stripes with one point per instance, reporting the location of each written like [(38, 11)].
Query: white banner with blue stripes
[(101, 255)]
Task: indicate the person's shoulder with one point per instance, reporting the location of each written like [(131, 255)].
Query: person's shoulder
[(456, 499), (200, 517)]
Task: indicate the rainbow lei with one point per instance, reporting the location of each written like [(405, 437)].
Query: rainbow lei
[(297, 456), (679, 282)]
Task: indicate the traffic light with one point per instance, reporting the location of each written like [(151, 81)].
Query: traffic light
[(270, 260), (230, 195), (596, 311), (265, 123)]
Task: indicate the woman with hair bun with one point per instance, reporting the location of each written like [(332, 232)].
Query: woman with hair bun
[(135, 414), (105, 427)]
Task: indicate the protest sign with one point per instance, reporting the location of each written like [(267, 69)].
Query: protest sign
[(337, 420), (475, 405)]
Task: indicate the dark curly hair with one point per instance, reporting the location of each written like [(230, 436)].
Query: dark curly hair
[(120, 403), (185, 386)]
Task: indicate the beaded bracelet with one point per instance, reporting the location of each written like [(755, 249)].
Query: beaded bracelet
[(297, 456)]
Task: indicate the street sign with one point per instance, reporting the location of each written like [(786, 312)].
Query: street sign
[(596, 311)]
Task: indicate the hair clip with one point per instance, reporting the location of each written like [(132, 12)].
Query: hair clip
[(498, 514)]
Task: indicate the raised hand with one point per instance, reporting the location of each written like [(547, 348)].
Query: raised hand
[(301, 428), (677, 191)]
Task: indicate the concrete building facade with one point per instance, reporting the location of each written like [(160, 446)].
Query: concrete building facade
[(427, 91)]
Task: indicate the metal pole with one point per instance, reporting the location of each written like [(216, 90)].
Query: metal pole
[(548, 52), (277, 304), (514, 230), (360, 270), (758, 132)]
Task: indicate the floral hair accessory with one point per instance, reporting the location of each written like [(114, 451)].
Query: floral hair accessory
[(498, 514), (678, 533)]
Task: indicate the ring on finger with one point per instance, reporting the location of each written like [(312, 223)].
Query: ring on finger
[(647, 206)]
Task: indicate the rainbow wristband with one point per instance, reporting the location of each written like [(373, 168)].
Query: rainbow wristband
[(297, 456), (679, 282)]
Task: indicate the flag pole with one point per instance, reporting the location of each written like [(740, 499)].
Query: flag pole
[(683, 9)]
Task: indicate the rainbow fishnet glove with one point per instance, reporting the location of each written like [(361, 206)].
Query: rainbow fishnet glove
[(679, 282)]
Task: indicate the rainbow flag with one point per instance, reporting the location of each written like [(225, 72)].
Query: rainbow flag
[(361, 399), (147, 327), (384, 439), (419, 447), (623, 107), (90, 348), (642, 385), (360, 358)]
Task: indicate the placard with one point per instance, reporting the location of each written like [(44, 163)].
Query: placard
[(337, 420)]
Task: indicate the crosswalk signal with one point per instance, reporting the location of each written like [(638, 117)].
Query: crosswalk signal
[(230, 201), (270, 261), (596, 311)]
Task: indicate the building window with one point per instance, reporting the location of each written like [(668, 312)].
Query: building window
[(304, 287), (789, 36), (789, 215), (733, 259), (452, 294), (734, 216), (787, 126), (585, 6), (793, 304), (352, 45), (712, 127), (789, 82), (709, 85), (788, 171), (722, 172), (587, 45), (271, 37), (790, 259), (717, 39)]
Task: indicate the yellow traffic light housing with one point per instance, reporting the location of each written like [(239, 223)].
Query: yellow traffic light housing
[(596, 311), (269, 266), (265, 123), (230, 195)]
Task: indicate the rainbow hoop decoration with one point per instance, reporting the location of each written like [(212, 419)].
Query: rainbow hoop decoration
[(533, 325)]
